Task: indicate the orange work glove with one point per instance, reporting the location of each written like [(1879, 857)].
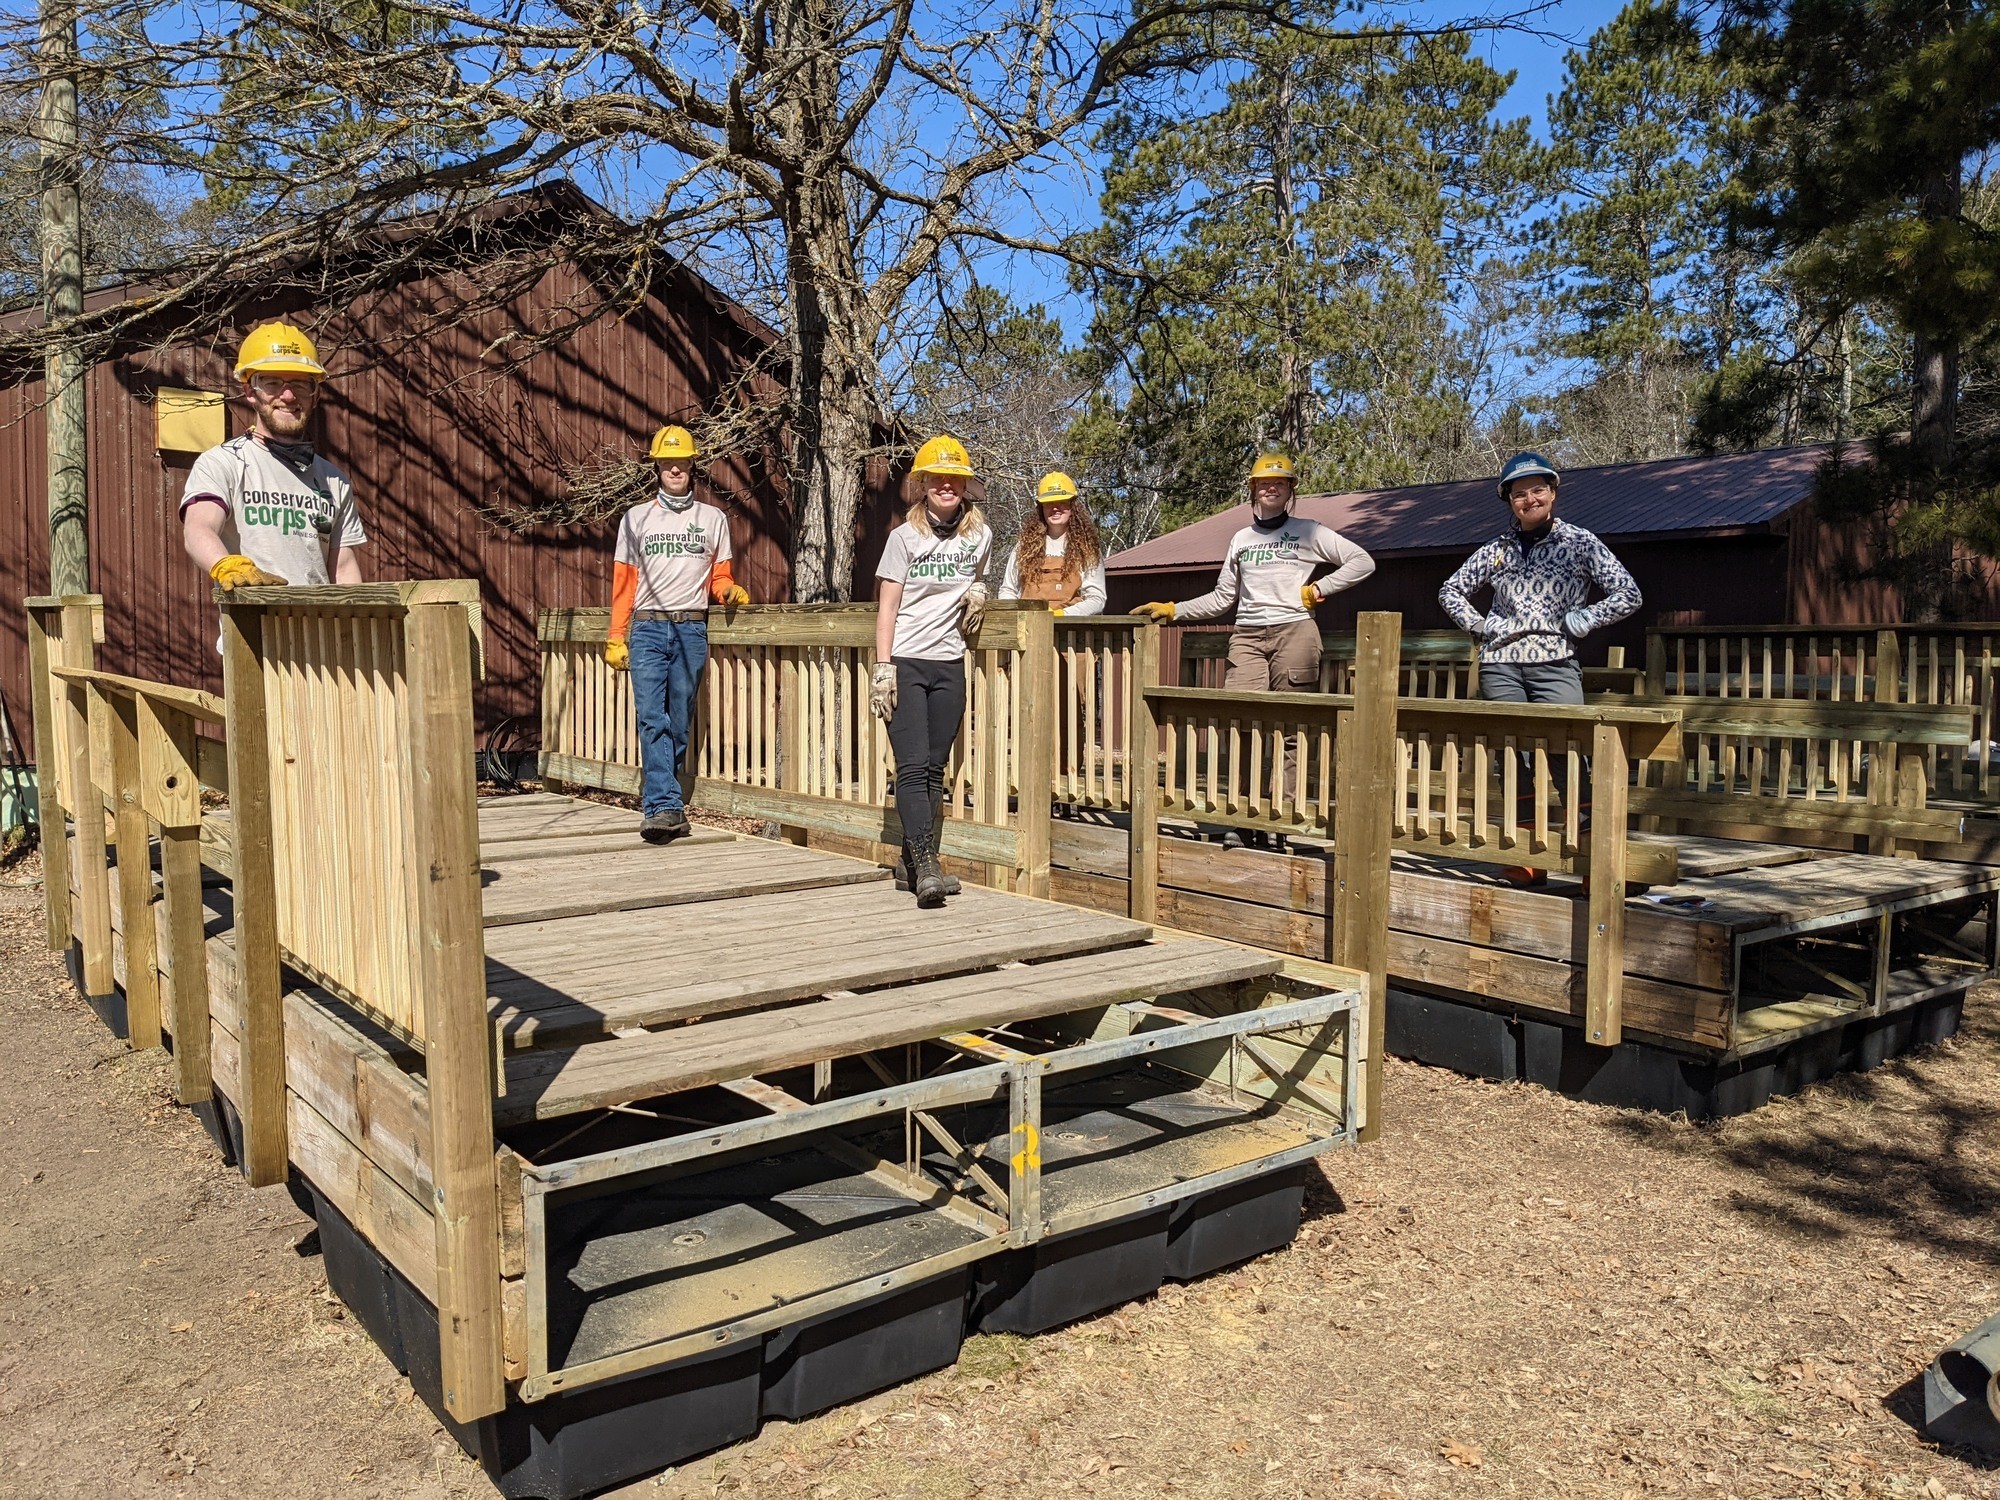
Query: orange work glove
[(237, 572)]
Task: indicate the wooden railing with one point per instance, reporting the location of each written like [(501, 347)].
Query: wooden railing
[(1432, 663), (784, 732), (1831, 771), (1951, 665), (1099, 659), (353, 853)]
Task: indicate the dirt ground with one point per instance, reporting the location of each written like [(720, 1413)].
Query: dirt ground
[(1509, 1294)]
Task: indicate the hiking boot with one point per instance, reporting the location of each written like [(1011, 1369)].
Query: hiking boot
[(951, 885), (1233, 840), (665, 826), (930, 882)]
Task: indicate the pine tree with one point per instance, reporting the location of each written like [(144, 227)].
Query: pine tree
[(1304, 253), (1869, 112), (1649, 281)]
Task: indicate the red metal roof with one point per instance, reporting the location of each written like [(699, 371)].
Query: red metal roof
[(1725, 493)]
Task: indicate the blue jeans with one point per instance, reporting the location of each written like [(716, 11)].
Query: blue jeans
[(667, 659)]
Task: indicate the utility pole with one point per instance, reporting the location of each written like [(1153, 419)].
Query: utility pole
[(62, 298)]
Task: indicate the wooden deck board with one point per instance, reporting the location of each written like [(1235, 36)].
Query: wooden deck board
[(649, 875), (569, 845), (545, 1084), (593, 974)]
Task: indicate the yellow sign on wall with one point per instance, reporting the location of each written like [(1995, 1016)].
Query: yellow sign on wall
[(189, 421)]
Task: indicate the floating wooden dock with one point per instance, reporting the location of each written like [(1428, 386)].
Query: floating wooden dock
[(617, 1149), (1754, 951)]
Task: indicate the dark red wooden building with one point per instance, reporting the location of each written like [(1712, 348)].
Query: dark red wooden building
[(1729, 540), (449, 439)]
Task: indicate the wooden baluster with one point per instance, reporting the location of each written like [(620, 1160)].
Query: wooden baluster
[(1142, 793), (1482, 775), (1510, 793), (50, 702), (1541, 830)]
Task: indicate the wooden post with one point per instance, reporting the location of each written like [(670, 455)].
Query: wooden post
[(1883, 759), (93, 879), (254, 897), (171, 792), (555, 707), (1604, 963), (48, 780), (451, 970), (1142, 777), (1656, 664), (1364, 786), (1035, 752), (135, 876)]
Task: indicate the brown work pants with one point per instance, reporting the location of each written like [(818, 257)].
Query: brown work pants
[(1276, 659)]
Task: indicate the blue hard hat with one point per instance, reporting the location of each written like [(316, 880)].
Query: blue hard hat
[(1523, 464)]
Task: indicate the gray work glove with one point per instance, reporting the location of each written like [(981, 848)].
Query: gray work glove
[(882, 691), (972, 611)]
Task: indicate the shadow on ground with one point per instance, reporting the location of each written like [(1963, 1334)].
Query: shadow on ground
[(1911, 1148)]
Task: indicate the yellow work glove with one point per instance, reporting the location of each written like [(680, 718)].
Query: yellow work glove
[(734, 595), (1311, 596), (1055, 609), (237, 572), (617, 655), (882, 691), (1162, 611)]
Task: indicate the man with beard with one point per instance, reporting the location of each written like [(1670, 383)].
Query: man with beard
[(264, 508)]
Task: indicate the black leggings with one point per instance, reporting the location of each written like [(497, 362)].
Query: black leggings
[(930, 702)]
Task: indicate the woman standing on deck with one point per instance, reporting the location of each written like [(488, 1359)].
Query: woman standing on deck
[(1059, 558), (929, 606)]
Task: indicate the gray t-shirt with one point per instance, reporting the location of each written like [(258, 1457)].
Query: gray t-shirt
[(936, 573), (284, 521)]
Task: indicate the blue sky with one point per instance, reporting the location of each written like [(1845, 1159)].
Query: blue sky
[(1535, 56)]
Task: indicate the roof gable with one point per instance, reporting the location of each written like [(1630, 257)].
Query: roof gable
[(1723, 493)]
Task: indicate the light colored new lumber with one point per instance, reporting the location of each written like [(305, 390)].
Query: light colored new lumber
[(669, 976), (185, 954), (47, 703), (191, 701), (648, 875), (1365, 768), (84, 789), (387, 1216), (260, 1099), (451, 970), (542, 1085), (135, 886), (1605, 950)]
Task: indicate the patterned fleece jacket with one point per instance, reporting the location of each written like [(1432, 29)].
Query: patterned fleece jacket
[(1541, 594)]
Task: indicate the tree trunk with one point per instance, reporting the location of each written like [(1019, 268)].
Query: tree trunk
[(1934, 360), (62, 297), (834, 380)]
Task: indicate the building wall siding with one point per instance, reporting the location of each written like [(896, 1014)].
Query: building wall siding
[(431, 432)]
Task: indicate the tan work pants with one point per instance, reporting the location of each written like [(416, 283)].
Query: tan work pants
[(1276, 659)]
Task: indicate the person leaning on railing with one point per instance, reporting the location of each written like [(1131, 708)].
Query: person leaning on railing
[(672, 557), (929, 606), (265, 508), (1542, 571), (1059, 559), (1267, 579)]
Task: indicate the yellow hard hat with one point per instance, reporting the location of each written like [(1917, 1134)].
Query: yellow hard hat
[(1274, 466), (1056, 488), (278, 349), (943, 454), (674, 442)]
